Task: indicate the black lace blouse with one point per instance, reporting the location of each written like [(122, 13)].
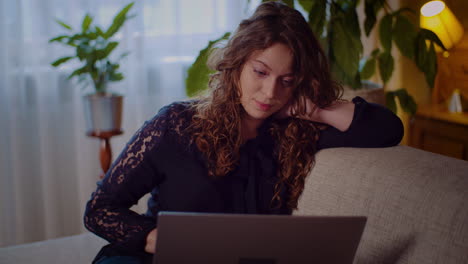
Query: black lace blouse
[(160, 160)]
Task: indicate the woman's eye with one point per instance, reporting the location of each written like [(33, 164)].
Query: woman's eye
[(288, 82), (260, 73)]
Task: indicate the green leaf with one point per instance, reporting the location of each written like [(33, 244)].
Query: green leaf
[(82, 51), (77, 37), (385, 32), (116, 77), (116, 25), (407, 102), (371, 9), (100, 32), (118, 21), (386, 65), (375, 52), (91, 60), (338, 74), (368, 69), (86, 22), (61, 60), (58, 39), (78, 72), (198, 73), (352, 22), (429, 35), (92, 35), (317, 17), (111, 67), (426, 59), (390, 101), (404, 36), (103, 53), (431, 66), (307, 4), (420, 52), (346, 49), (63, 24)]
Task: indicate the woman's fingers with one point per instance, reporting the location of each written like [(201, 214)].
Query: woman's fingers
[(151, 241)]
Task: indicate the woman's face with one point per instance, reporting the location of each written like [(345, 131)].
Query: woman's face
[(267, 81)]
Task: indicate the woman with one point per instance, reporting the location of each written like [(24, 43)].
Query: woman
[(246, 147)]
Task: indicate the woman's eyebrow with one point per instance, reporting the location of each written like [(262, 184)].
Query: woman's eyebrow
[(266, 65)]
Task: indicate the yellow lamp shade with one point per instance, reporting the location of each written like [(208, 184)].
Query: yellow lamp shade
[(437, 17)]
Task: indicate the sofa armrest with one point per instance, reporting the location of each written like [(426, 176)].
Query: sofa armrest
[(416, 201), (71, 250)]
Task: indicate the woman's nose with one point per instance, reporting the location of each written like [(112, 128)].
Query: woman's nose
[(270, 87)]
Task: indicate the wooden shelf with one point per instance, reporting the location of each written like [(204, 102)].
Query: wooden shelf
[(440, 112), (436, 130)]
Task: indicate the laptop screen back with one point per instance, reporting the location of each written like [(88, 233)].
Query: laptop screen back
[(256, 239)]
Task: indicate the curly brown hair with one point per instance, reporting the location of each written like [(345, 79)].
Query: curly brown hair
[(217, 119)]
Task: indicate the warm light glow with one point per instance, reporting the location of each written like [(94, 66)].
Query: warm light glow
[(437, 17), (432, 8)]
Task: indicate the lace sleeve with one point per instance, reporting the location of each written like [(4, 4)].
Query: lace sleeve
[(130, 177)]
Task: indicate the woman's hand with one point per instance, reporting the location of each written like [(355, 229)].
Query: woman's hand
[(151, 241), (312, 112), (339, 114)]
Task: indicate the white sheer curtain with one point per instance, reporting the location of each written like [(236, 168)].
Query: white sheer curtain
[(48, 167)]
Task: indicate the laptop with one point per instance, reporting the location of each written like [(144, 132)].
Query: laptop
[(256, 239)]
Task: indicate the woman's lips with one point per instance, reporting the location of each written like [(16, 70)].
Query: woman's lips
[(262, 106)]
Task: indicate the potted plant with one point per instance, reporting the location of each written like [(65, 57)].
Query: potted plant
[(336, 23), (93, 47)]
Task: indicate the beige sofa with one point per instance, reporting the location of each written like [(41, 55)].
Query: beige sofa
[(416, 203)]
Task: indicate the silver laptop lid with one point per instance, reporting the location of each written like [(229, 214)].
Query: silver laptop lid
[(256, 239)]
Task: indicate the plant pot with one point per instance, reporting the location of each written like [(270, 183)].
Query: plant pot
[(103, 112), (370, 91)]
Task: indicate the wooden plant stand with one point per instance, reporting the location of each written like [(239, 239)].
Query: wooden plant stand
[(105, 150)]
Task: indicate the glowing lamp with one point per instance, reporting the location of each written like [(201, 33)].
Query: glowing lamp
[(438, 18)]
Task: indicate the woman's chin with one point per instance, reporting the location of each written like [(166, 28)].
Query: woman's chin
[(258, 114), (254, 113)]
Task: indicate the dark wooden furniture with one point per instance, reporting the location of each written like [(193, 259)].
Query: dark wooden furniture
[(105, 150), (436, 130)]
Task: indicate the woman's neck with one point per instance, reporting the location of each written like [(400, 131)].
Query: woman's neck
[(249, 128)]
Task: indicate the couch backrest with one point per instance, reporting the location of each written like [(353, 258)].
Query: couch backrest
[(416, 202)]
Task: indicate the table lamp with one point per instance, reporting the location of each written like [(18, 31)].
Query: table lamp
[(437, 17)]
